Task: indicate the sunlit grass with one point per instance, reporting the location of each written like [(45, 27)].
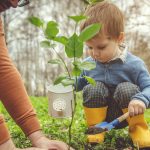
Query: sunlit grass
[(58, 128)]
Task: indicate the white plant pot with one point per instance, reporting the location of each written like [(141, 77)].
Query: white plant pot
[(60, 101)]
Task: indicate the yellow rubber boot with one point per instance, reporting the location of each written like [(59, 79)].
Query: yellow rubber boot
[(138, 130), (93, 117)]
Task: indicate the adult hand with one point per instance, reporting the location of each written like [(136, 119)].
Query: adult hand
[(6, 4), (9, 145), (40, 141)]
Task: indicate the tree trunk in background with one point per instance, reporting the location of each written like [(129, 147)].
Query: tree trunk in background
[(23, 39)]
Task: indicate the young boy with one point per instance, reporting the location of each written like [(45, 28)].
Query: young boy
[(123, 82)]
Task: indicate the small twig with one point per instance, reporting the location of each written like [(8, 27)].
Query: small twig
[(63, 62)]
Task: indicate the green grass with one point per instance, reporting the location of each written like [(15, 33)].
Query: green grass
[(58, 128)]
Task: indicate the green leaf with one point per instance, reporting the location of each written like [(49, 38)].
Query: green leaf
[(51, 30), (90, 80), (78, 18), (87, 65), (53, 45), (74, 47), (89, 32), (55, 61), (76, 71), (94, 1), (36, 21), (67, 81), (45, 44), (60, 78), (77, 62), (61, 39)]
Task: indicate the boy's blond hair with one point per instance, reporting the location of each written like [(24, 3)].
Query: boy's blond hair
[(107, 14)]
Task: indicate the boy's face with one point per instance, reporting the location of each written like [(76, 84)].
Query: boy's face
[(103, 48)]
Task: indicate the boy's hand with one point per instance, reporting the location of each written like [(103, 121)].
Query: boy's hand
[(136, 107)]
